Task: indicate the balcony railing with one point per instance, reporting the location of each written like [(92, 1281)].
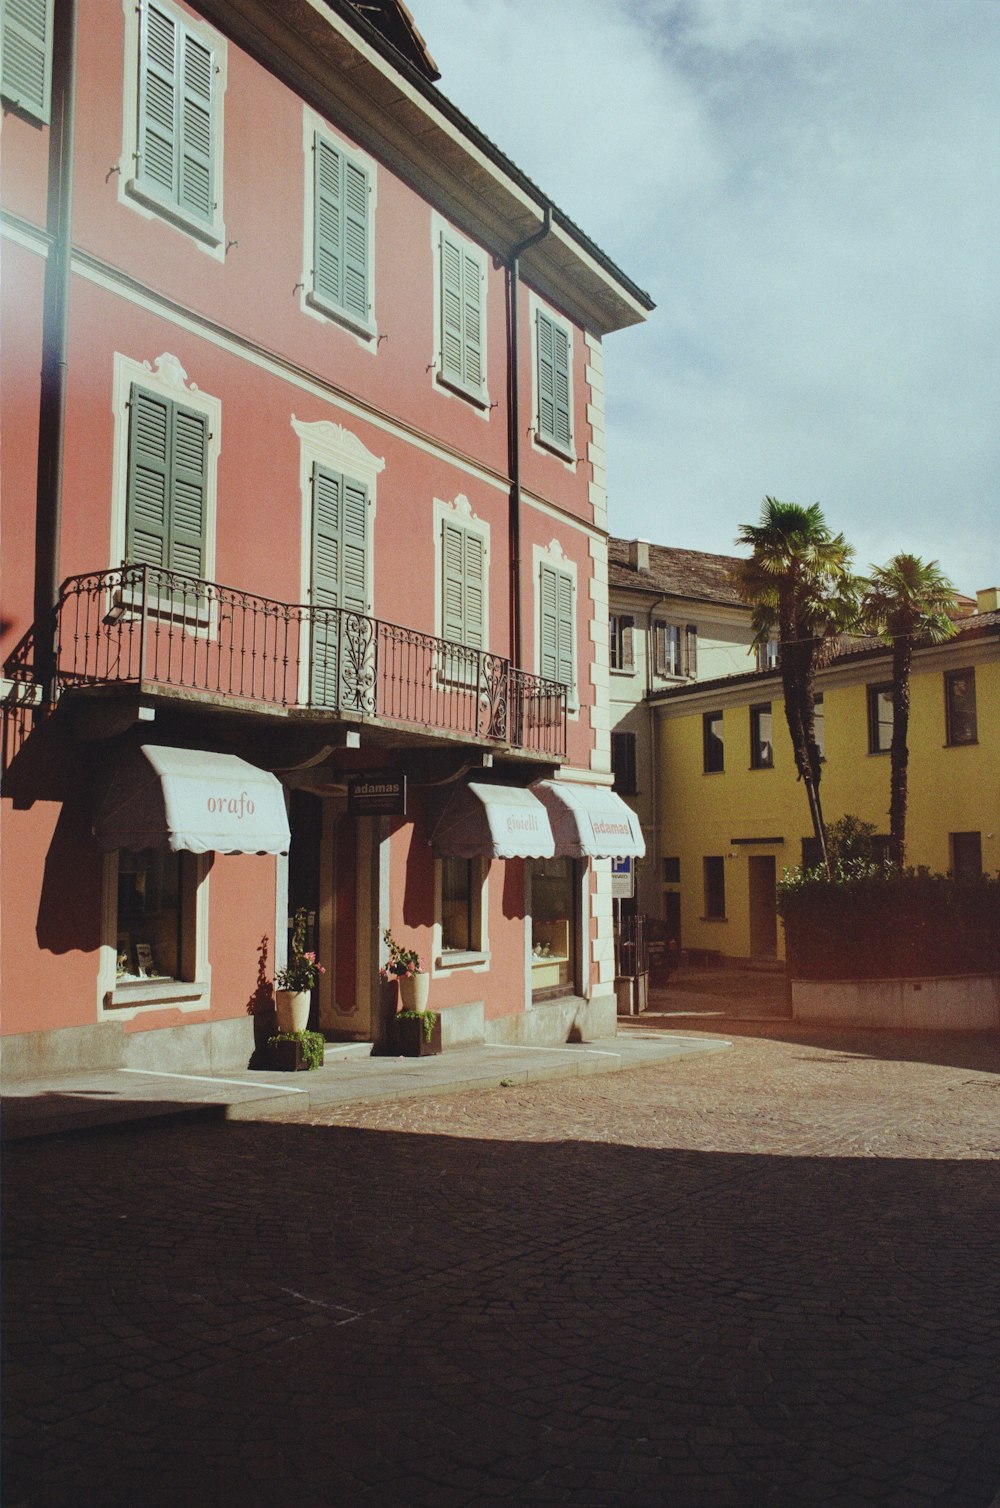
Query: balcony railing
[(152, 628)]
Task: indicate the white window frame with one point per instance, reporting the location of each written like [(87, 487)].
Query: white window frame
[(142, 197), (123, 1000), (327, 444), (449, 386), (545, 444), (311, 302), (553, 555), (166, 377)]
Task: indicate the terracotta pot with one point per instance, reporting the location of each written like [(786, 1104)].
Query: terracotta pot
[(293, 1009), (414, 990)]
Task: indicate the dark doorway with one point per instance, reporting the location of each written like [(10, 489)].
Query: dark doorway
[(763, 907)]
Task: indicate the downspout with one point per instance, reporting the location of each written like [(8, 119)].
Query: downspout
[(53, 383), (514, 437)]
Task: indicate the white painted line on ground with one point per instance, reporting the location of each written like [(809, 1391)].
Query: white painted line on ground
[(598, 1052), (201, 1078)]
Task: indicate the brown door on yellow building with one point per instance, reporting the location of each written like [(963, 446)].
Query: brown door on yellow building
[(763, 907)]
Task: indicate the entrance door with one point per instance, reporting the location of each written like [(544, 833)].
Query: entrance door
[(339, 581), (763, 907)]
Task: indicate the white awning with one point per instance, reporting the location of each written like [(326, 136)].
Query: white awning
[(172, 799), (493, 822), (590, 821)]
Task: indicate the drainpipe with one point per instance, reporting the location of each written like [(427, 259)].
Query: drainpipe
[(52, 395), (514, 437)]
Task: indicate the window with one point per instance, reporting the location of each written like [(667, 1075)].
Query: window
[(461, 359), (960, 706), (672, 871), (341, 271), (26, 51), (819, 726), (156, 919), (761, 740), (553, 348), (966, 855), (812, 857), (714, 746), (556, 638), (166, 509), (339, 577), (767, 655), (553, 890), (456, 906), (666, 649), (175, 138), (622, 641), (879, 719), (623, 765), (691, 651), (715, 888)]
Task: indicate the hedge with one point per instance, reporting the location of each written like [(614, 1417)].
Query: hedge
[(881, 923)]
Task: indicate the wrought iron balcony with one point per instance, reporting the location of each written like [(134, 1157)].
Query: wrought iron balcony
[(160, 631)]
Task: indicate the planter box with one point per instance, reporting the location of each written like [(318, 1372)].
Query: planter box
[(286, 1057), (965, 1002), (409, 1041)]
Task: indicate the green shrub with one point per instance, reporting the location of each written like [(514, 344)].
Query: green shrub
[(872, 922)]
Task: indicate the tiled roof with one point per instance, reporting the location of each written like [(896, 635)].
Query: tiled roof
[(675, 573)]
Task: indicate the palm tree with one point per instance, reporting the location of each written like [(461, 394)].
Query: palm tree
[(798, 580), (906, 602)]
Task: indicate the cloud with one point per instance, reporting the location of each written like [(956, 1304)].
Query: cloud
[(811, 193)]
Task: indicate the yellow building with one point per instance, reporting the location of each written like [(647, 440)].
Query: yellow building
[(732, 814)]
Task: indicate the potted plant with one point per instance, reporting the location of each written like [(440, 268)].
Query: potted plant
[(293, 985), (405, 965)]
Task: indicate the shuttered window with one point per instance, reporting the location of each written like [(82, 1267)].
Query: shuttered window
[(622, 641), (463, 598), (556, 628), (462, 358), (176, 143), (339, 573), (666, 649), (26, 50), (341, 232), (552, 358), (167, 484)]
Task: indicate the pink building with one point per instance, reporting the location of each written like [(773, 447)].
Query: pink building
[(304, 540)]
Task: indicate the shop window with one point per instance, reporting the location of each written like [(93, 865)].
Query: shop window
[(761, 737), (879, 719), (966, 855), (623, 763), (714, 747), (715, 888), (553, 925), (960, 706), (460, 910), (155, 917)]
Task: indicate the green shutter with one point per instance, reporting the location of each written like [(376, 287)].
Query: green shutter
[(451, 310), (453, 584), (462, 333), (176, 113), (475, 591), (553, 351), (195, 189), (340, 237), (148, 513), (26, 49), (556, 628), (339, 572), (167, 484)]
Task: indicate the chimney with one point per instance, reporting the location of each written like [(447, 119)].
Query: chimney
[(638, 554), (988, 600)]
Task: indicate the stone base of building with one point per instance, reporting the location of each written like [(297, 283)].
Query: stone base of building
[(967, 1002)]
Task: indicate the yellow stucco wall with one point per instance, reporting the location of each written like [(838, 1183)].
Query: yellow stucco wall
[(951, 789)]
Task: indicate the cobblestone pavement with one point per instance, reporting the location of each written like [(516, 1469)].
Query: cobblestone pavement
[(763, 1277)]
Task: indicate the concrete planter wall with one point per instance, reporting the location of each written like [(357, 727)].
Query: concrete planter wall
[(964, 1002)]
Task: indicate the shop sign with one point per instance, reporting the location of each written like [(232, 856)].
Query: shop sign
[(622, 879), (379, 795)]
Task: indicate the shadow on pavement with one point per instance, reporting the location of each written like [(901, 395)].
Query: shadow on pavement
[(266, 1314)]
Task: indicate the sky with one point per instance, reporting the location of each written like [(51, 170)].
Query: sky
[(810, 192)]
